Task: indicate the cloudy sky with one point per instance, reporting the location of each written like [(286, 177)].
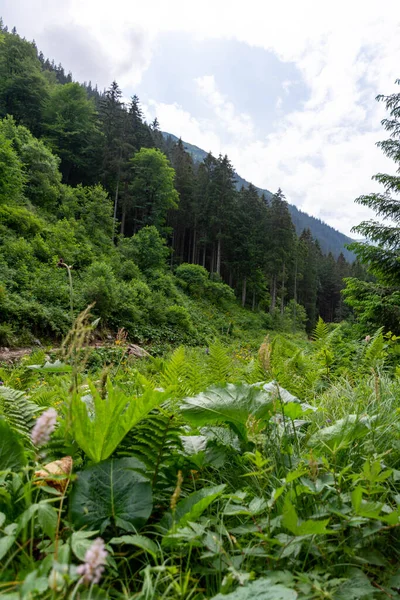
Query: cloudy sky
[(286, 88)]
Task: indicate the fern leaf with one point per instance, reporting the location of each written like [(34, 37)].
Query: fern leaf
[(219, 365), (155, 441), (321, 331), (18, 410)]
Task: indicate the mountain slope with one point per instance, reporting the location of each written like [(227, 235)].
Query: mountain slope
[(329, 238)]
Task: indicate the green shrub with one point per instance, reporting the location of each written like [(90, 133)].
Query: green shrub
[(193, 278), (100, 287), (178, 316), (7, 335)]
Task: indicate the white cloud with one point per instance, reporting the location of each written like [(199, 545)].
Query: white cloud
[(239, 125), (346, 52), (181, 123)]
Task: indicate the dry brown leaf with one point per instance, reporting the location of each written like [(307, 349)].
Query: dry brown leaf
[(58, 468)]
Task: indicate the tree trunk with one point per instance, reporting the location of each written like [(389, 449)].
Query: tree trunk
[(283, 288), (115, 208), (244, 289), (230, 281), (124, 208), (253, 306), (194, 247), (273, 294), (218, 269), (123, 218), (212, 259), (172, 249), (295, 297), (204, 256)]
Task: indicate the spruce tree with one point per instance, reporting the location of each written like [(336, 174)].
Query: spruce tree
[(376, 303), (383, 255)]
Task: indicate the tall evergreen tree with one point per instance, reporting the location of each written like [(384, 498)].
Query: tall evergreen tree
[(381, 249), (280, 241)]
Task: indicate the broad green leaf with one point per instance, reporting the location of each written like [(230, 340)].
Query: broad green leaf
[(33, 582), (277, 392), (6, 543), (99, 430), (81, 542), (192, 507), (293, 475), (356, 498), (300, 528), (293, 410), (193, 444), (111, 493), (140, 541), (370, 510), (223, 436), (355, 588), (12, 454), (47, 517), (342, 433), (56, 367), (27, 515), (261, 589), (231, 404)]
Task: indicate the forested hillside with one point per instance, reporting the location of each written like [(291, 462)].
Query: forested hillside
[(329, 238), (149, 234)]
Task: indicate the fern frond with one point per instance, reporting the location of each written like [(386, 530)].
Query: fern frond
[(18, 410), (321, 331), (155, 441), (374, 350), (174, 369), (219, 365), (44, 396)]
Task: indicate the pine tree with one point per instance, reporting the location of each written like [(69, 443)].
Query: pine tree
[(377, 303), (184, 220), (382, 256), (280, 244)]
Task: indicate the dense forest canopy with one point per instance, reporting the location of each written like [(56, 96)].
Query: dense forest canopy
[(84, 178)]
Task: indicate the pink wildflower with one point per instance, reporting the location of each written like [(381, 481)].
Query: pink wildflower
[(95, 559), (367, 339), (44, 427)]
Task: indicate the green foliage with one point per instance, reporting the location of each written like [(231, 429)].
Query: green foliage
[(146, 248), (70, 127), (262, 589), (154, 441), (235, 462), (153, 187), (17, 410), (39, 166), (309, 486), (321, 331), (12, 454), (100, 420), (377, 301), (231, 404), (11, 175), (113, 493)]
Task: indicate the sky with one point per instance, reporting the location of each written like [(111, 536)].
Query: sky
[(287, 89)]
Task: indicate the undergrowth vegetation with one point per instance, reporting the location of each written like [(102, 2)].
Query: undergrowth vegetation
[(218, 472)]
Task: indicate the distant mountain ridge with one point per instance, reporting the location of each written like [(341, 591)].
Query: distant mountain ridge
[(329, 238)]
